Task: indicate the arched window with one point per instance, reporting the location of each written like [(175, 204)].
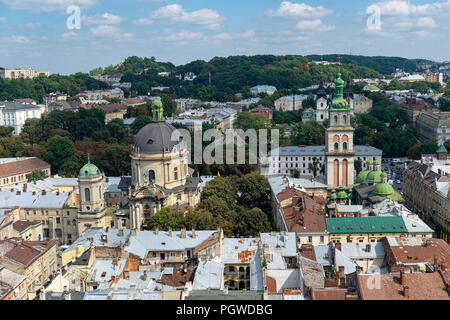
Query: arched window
[(100, 192), (151, 176), (335, 119), (345, 119), (87, 194), (345, 146), (336, 146), (175, 173)]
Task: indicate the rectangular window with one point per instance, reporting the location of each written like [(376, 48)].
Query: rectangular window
[(173, 254)]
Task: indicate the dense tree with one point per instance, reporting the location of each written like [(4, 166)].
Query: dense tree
[(249, 223), (35, 175), (165, 219), (6, 131), (254, 190), (59, 151)]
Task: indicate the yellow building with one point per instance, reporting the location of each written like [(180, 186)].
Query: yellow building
[(365, 229), (28, 230)]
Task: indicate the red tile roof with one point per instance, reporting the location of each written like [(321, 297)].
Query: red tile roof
[(304, 214), (424, 251), (271, 284), (27, 252), (420, 286), (22, 225), (329, 294), (23, 166)]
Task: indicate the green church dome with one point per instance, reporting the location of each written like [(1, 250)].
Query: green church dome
[(362, 176), (89, 171), (157, 103), (333, 196), (342, 195), (383, 189), (374, 177), (384, 175)]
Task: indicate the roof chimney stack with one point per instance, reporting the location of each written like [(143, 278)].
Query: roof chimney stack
[(193, 233), (368, 247), (156, 230), (170, 232), (406, 291), (183, 233)]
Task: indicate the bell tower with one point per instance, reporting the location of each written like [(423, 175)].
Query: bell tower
[(339, 140)]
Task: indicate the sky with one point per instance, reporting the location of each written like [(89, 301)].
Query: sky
[(68, 36)]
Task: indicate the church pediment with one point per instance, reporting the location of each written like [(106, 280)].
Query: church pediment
[(148, 192)]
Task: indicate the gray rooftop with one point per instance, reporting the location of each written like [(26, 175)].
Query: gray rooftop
[(145, 241), (358, 250), (114, 239), (209, 275), (27, 200), (319, 151)]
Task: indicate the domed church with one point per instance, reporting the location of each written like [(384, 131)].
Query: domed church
[(160, 173)]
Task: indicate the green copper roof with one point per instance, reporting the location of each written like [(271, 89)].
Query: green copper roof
[(384, 175), (430, 91), (333, 196), (157, 111), (374, 177), (383, 189), (89, 170), (351, 196), (377, 224), (333, 191), (342, 195), (341, 188), (362, 177), (339, 103)]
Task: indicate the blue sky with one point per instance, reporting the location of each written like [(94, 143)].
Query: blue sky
[(34, 33)]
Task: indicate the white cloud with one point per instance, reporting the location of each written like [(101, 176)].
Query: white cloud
[(184, 36), (143, 22), (404, 7), (248, 34), (313, 25), (223, 36), (69, 35), (424, 34), (175, 13), (106, 18), (37, 6), (108, 31), (298, 10), (426, 22), (29, 26), (3, 20), (19, 39)]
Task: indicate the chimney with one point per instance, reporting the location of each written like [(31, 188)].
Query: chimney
[(406, 291), (358, 269), (104, 238), (435, 261), (183, 233), (107, 229), (120, 233), (193, 233), (133, 232), (341, 272), (57, 193), (368, 247), (170, 232), (157, 231), (44, 192), (25, 187), (67, 296), (401, 277), (34, 193), (145, 275), (18, 192), (41, 296)]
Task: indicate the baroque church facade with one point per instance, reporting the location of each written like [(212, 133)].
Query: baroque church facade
[(160, 178)]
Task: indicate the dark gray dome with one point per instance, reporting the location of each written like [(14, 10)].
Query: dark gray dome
[(155, 138)]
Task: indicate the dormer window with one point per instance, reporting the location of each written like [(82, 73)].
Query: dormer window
[(150, 141)]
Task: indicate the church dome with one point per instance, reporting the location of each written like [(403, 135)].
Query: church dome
[(362, 177), (155, 138), (383, 189), (90, 171), (374, 177)]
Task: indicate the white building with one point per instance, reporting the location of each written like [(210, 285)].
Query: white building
[(13, 114), (290, 103), (270, 90), (284, 160)]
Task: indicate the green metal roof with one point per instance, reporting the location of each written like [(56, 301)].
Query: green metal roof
[(366, 225), (374, 177), (362, 176), (383, 189), (342, 195), (333, 196), (89, 170)]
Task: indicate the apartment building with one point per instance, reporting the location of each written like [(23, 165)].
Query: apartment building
[(434, 127), (13, 114), (21, 73), (14, 171)]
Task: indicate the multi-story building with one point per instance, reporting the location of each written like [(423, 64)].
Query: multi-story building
[(13, 114), (365, 229), (21, 73), (270, 90), (55, 97), (290, 103), (414, 107), (36, 260), (57, 211), (434, 126), (12, 285), (14, 171), (434, 77), (285, 160), (426, 189)]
